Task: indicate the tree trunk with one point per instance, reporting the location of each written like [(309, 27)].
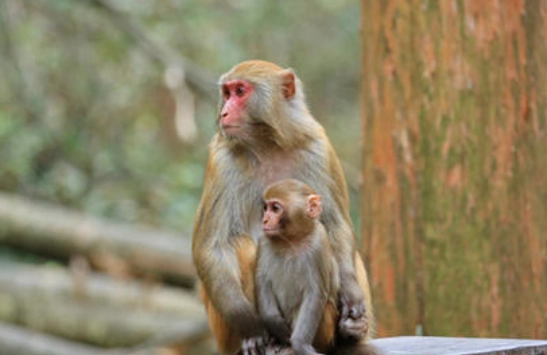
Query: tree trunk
[(454, 169)]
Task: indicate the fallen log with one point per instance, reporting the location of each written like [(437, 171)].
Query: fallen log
[(56, 231), (16, 340), (61, 283), (92, 323)]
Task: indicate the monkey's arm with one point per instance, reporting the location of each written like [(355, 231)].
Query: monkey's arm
[(270, 313), (308, 320), (220, 274), (223, 261), (352, 296), (354, 308), (352, 303)]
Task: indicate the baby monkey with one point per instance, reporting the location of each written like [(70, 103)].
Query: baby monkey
[(297, 274)]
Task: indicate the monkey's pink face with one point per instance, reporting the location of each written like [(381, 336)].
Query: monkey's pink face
[(235, 95), (272, 222)]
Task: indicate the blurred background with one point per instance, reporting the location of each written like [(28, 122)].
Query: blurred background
[(437, 110), (106, 111), (89, 121)]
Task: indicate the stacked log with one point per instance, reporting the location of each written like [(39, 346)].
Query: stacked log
[(112, 288)]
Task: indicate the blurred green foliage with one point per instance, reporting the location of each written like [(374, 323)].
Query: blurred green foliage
[(86, 121)]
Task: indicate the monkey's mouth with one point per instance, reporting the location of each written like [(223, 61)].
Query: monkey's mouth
[(271, 233), (230, 130)]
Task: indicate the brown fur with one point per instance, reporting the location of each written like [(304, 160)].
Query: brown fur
[(228, 341), (278, 139), (254, 69), (362, 279), (246, 253), (324, 338)]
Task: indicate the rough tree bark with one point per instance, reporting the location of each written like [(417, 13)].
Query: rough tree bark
[(454, 189)]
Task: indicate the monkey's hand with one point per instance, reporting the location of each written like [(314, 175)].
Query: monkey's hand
[(353, 322), (278, 329)]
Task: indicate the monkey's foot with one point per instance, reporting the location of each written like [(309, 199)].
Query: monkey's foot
[(278, 350), (253, 346)]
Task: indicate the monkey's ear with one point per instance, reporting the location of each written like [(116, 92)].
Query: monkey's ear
[(289, 84), (314, 206)]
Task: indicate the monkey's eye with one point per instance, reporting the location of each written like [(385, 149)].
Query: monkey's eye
[(225, 92), (276, 208), (240, 90), (264, 207)]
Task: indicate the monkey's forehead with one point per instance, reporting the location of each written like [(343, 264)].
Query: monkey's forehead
[(275, 199), (256, 66), (290, 185), (252, 69)]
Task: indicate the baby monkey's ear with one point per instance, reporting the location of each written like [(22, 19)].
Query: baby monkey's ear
[(314, 208)]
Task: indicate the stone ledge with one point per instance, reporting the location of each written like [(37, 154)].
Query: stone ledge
[(414, 345)]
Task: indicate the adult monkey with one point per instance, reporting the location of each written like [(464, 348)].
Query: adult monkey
[(266, 134)]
